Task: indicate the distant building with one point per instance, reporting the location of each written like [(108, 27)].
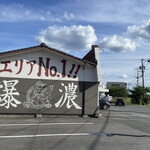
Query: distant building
[(102, 89), (116, 84)]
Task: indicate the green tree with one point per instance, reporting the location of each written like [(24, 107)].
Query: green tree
[(118, 91), (137, 95)]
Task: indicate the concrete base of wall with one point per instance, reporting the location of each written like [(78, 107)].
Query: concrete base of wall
[(98, 114), (38, 116), (85, 116), (17, 116)]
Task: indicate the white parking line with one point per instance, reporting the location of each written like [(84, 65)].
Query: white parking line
[(118, 119), (131, 119), (46, 124), (52, 135), (129, 115), (140, 115)]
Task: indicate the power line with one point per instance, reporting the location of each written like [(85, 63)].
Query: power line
[(131, 81), (147, 79), (120, 60)]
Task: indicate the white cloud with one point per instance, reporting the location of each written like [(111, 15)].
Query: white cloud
[(27, 12), (3, 13), (17, 5), (123, 11), (57, 19), (68, 37), (89, 11), (48, 12), (124, 76), (118, 44), (141, 31), (17, 12), (42, 18), (68, 16)]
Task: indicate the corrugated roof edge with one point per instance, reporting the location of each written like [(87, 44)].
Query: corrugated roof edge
[(12, 52)]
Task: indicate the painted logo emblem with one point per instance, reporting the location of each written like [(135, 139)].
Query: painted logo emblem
[(39, 96)]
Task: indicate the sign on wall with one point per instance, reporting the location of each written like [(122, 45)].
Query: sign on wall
[(40, 67), (38, 96)]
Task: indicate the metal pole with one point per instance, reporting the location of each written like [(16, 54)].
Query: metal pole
[(83, 93), (142, 67), (137, 77)]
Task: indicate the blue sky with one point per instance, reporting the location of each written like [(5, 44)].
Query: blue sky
[(121, 28)]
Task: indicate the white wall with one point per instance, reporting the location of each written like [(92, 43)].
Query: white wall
[(20, 66)]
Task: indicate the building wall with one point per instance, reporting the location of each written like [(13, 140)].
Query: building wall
[(116, 84), (44, 65), (32, 96), (41, 82)]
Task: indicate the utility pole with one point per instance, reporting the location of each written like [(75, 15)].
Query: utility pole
[(137, 77), (142, 68)]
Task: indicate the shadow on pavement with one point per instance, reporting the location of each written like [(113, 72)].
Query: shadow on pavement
[(128, 135), (101, 133)]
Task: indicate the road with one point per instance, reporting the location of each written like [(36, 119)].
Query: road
[(119, 128)]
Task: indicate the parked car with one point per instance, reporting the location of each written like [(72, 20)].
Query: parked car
[(120, 101), (108, 98), (104, 104)]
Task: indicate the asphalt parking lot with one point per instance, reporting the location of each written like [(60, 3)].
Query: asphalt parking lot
[(119, 128)]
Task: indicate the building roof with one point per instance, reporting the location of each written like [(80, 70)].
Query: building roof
[(43, 46)]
